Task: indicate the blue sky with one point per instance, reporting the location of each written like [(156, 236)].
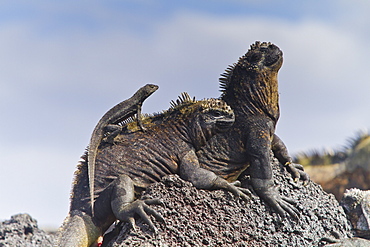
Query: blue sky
[(64, 64)]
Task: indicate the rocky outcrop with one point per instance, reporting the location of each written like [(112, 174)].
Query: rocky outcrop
[(337, 178), (351, 242), (22, 230), (215, 218), (339, 170), (356, 204)]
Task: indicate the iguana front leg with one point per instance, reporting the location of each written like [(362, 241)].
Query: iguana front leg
[(124, 205), (281, 153), (139, 118), (201, 178), (261, 173)]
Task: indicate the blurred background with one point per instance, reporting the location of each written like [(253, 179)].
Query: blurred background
[(64, 64)]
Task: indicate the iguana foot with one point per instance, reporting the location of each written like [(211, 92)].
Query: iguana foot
[(297, 172), (141, 208), (281, 204), (140, 124), (234, 188), (143, 129)]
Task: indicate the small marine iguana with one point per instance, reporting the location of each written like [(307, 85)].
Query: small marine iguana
[(250, 87), (109, 122), (137, 159)]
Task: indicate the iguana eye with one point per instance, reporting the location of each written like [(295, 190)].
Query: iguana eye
[(217, 113), (255, 57)]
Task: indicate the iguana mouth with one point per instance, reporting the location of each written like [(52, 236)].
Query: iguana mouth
[(224, 125), (273, 55)]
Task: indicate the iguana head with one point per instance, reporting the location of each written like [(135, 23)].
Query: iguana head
[(262, 56), (147, 90), (250, 85), (204, 118), (215, 115)]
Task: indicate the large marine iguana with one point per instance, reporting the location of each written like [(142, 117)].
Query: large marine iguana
[(109, 122), (137, 159), (250, 87)]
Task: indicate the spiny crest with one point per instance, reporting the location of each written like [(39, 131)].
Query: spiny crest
[(180, 109), (207, 104), (258, 44), (319, 157), (184, 98), (226, 77), (361, 138), (360, 143)]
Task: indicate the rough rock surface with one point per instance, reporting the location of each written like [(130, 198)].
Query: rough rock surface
[(22, 230), (215, 218)]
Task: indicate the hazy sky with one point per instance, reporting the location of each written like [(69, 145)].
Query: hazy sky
[(63, 64)]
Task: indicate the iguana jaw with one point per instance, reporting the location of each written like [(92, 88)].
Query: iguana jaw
[(224, 124)]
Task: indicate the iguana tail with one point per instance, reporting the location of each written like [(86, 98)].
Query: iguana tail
[(78, 230)]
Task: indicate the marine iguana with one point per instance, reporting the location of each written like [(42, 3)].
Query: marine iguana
[(109, 122), (138, 159), (339, 169), (250, 87)]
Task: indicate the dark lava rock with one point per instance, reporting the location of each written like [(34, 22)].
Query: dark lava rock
[(215, 218), (22, 230)]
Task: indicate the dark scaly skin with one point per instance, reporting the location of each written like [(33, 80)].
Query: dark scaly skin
[(137, 159), (110, 121), (250, 87)]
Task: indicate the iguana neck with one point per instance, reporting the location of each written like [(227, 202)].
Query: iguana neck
[(253, 93)]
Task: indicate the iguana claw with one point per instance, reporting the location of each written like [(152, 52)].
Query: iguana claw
[(233, 187), (281, 204), (141, 208), (297, 172)]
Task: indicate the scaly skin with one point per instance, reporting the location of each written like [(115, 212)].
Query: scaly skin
[(137, 159), (250, 87), (110, 120)]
